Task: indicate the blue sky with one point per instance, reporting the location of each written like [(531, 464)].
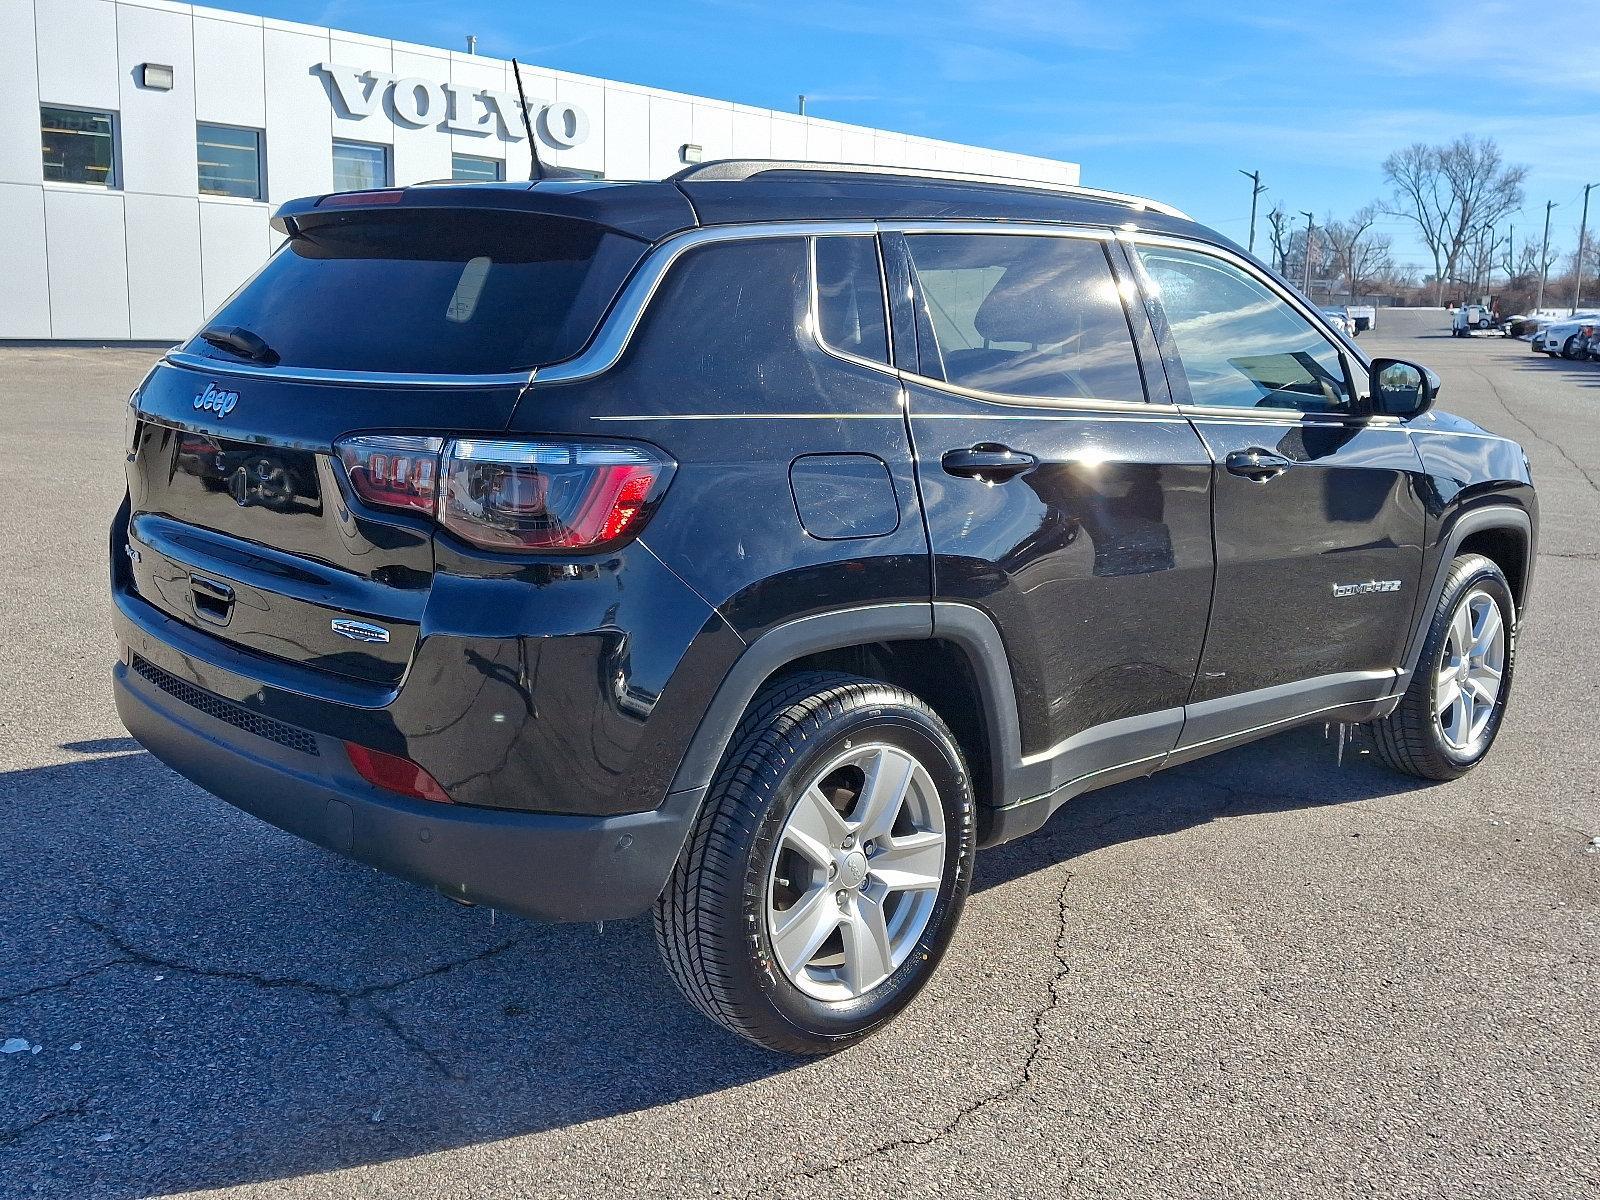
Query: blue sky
[(1168, 99)]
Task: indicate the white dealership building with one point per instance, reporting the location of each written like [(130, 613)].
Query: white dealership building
[(143, 145)]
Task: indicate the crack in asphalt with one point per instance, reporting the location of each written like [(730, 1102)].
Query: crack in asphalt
[(350, 1001), (55, 1114), (61, 985), (1024, 1076), (1556, 446)]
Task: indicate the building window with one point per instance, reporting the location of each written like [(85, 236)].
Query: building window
[(476, 170), (358, 166), (230, 161), (79, 146)]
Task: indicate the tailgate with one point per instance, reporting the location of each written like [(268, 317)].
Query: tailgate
[(244, 526)]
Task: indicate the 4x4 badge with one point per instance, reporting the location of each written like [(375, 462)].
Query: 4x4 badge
[(214, 399)]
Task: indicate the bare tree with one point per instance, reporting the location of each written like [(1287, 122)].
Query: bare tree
[(1451, 192), (1278, 224), (1360, 255)]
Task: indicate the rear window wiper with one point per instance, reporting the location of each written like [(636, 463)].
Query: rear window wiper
[(242, 342)]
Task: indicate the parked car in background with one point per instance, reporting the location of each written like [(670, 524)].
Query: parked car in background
[(1340, 321), (1587, 348), (1561, 337), (1473, 316)]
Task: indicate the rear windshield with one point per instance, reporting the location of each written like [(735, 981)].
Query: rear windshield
[(432, 291)]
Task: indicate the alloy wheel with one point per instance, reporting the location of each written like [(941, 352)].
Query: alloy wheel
[(1471, 666), (858, 870)]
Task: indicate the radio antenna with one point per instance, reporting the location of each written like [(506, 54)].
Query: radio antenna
[(535, 167)]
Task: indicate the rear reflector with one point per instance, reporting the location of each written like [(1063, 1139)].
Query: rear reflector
[(394, 774)]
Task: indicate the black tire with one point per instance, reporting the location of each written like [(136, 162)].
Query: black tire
[(711, 923), (1569, 347), (1410, 739)]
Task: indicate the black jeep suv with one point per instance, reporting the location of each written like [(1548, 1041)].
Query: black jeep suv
[(757, 544)]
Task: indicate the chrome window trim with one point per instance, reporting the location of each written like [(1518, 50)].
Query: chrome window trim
[(617, 329), (1317, 321), (814, 311), (217, 366)]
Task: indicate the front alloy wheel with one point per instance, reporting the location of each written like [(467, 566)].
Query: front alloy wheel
[(1470, 670), (1453, 706)]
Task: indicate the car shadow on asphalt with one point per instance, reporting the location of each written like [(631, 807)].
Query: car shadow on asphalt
[(1584, 374), (1302, 769), (219, 1003)]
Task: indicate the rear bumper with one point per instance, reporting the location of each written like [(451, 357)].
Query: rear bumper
[(552, 867)]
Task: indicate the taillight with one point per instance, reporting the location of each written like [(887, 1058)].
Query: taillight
[(505, 495), (393, 471)]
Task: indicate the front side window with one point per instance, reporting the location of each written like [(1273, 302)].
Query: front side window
[(469, 168), (230, 161), (1027, 316), (79, 146), (850, 301), (359, 166), (1243, 345)]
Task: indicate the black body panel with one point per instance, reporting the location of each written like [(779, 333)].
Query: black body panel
[(1122, 604), (724, 375), (1348, 510)]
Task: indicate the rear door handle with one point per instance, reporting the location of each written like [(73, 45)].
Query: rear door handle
[(988, 461), (1257, 464)]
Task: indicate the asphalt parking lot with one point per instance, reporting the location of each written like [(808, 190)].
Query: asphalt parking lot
[(1272, 973)]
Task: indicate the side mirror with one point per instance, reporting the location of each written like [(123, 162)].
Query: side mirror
[(1400, 388)]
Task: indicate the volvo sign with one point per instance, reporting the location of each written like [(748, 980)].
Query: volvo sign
[(416, 102)]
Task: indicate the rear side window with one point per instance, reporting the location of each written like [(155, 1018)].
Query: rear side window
[(1027, 316), (851, 316), (432, 291)]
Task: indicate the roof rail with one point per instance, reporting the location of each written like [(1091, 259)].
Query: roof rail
[(738, 169)]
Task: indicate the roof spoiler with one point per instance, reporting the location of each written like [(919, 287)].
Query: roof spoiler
[(665, 212), (739, 169)]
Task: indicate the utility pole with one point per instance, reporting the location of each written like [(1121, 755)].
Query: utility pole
[(1255, 191), (1488, 267), (1583, 231), (1311, 226), (1544, 256)]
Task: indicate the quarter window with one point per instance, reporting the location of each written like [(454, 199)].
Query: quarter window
[(470, 168), (358, 166), (79, 146), (1027, 316), (230, 161), (850, 301), (1242, 345)]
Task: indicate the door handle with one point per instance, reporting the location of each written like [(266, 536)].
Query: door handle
[(1257, 464), (988, 461)]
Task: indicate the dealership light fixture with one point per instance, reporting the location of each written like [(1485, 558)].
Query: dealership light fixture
[(155, 76), (690, 153)]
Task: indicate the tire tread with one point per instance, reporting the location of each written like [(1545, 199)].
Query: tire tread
[(782, 719)]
